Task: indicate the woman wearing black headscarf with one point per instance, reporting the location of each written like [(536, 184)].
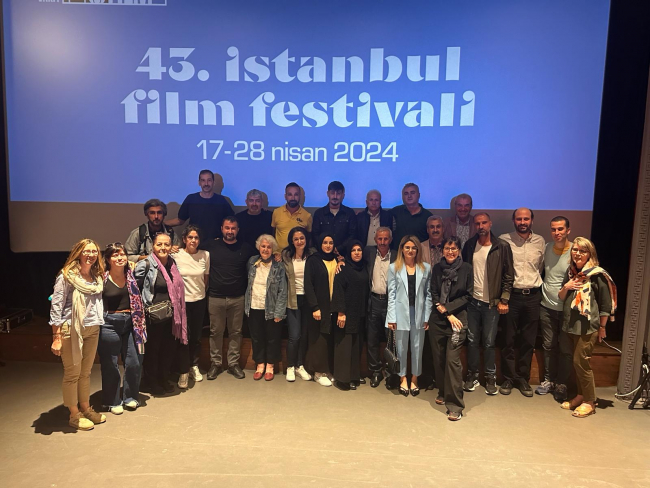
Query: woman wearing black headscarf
[(319, 285), (452, 283), (349, 301)]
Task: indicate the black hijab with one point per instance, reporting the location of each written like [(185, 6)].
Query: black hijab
[(348, 257), (325, 256)]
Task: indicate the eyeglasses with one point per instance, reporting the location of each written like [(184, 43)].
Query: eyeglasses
[(450, 249), (581, 252), (94, 252)]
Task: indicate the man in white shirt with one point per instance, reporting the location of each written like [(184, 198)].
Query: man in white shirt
[(523, 314)]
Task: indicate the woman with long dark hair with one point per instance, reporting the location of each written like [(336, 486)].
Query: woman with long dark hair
[(589, 296), (295, 257), (123, 333), (76, 314)]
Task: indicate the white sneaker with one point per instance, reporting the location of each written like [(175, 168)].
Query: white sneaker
[(196, 374), (117, 410), (182, 381), (304, 375), (132, 405), (322, 379), (291, 373)]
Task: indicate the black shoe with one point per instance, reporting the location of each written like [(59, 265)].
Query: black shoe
[(430, 386), (168, 387), (491, 385), (403, 391), (375, 379), (237, 372), (343, 386), (362, 381), (524, 388), (560, 393), (415, 391), (506, 387), (354, 384), (471, 383), (214, 372)]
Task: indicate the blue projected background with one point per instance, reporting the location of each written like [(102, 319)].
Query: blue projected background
[(500, 99)]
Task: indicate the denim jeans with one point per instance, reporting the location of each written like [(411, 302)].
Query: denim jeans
[(482, 323), (116, 341), (550, 322), (297, 322)]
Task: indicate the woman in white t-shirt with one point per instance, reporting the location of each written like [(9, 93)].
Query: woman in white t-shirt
[(194, 266)]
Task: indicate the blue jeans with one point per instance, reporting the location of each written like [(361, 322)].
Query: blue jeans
[(482, 323), (297, 324), (116, 340)]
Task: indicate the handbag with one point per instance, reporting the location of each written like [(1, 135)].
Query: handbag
[(390, 354), (159, 312)]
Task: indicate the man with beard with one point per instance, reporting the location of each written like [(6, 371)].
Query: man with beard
[(255, 220), (372, 218), (491, 260), (432, 248), (523, 315), (460, 224), (140, 241), (205, 209), (337, 219), (228, 281), (410, 218), (291, 215)]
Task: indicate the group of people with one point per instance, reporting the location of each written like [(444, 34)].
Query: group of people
[(339, 280)]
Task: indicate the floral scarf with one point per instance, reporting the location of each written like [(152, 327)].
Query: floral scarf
[(176, 291), (582, 299), (137, 311)]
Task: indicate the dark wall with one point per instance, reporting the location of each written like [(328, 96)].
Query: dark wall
[(27, 278)]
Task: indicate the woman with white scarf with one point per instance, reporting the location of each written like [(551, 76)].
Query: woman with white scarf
[(76, 315)]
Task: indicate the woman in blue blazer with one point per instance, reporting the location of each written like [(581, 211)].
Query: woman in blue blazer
[(409, 307)]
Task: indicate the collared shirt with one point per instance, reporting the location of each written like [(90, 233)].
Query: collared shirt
[(527, 257), (435, 253), (462, 231), (372, 228), (283, 221), (380, 273), (134, 248)]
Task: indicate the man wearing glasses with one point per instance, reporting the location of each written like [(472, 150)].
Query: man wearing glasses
[(491, 260), (523, 315)]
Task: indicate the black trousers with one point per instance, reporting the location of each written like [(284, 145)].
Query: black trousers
[(376, 331), (320, 350), (266, 337), (347, 353), (447, 365), (188, 354), (522, 321), (159, 353)]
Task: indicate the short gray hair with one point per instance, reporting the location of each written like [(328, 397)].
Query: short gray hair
[(371, 192), (254, 193), (385, 229), (435, 217), (268, 238)]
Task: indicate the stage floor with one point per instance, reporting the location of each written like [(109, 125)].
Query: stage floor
[(232, 432)]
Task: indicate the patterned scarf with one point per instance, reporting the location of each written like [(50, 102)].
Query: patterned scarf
[(582, 299), (176, 291), (449, 276), (81, 290), (137, 311)]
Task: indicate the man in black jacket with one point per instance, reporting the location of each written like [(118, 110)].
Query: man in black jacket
[(371, 218), (378, 259), (491, 259), (337, 219)]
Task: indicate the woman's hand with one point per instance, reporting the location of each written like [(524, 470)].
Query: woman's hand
[(341, 320), (441, 308), (276, 320), (602, 333), (574, 284), (392, 326), (316, 315), (426, 326), (56, 344), (455, 323), (339, 265), (278, 257)]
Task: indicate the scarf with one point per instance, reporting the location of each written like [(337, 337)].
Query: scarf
[(449, 276), (176, 291), (81, 291), (582, 299), (137, 311), (348, 257), (325, 256)]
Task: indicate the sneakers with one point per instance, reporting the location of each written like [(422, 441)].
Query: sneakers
[(302, 372), (117, 410), (544, 388), (322, 379), (506, 387), (196, 374), (524, 388), (182, 381), (94, 417), (560, 393), (491, 385), (291, 374), (80, 422), (131, 405), (472, 382)]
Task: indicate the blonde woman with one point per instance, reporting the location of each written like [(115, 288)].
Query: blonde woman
[(589, 296), (409, 308), (76, 315)]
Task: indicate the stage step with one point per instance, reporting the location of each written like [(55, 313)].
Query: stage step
[(32, 341)]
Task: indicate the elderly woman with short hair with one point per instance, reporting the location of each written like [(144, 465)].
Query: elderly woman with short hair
[(265, 305)]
